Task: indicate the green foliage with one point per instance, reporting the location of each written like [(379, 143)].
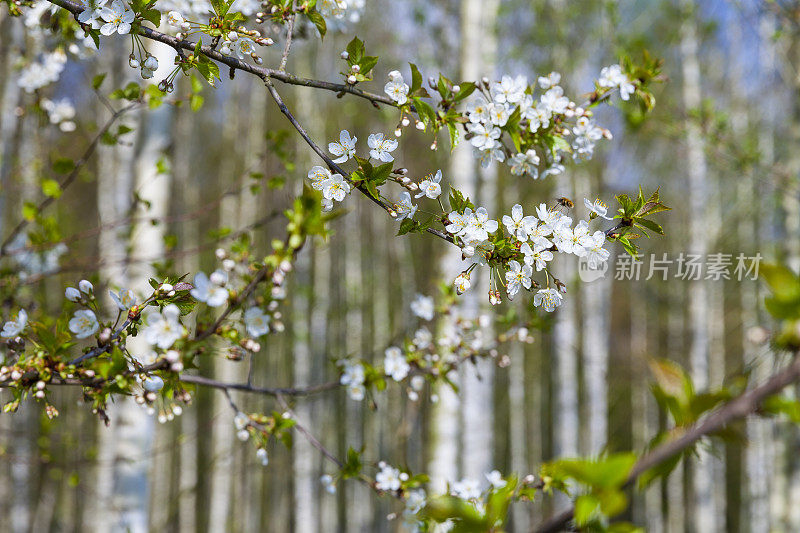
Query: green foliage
[(784, 303), (357, 55), (634, 215)]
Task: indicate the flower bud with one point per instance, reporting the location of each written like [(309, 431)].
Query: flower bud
[(72, 294), (351, 79), (344, 55), (86, 286)]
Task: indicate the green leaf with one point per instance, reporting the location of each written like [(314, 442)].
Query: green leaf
[(355, 51), (649, 224), (784, 283), (97, 81), (416, 79), (63, 165), (585, 507), (51, 188), (319, 21)]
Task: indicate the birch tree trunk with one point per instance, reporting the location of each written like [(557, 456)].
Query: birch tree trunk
[(705, 514), (477, 436), (446, 413)]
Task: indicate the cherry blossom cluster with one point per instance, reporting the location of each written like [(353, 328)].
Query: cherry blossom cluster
[(535, 238)]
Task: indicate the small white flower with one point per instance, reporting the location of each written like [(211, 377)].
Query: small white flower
[(478, 111), (395, 364), (125, 299), (210, 290), (525, 163), (495, 478), (335, 188), (163, 329), (431, 186), (485, 136), (509, 89), (83, 324), (554, 100), (536, 256), (458, 222), (16, 325), (153, 383), (175, 19), (261, 455), (415, 500), (547, 298), (552, 79), (518, 276), (118, 18), (318, 175), (466, 489), (72, 294), (256, 321), (344, 149), (517, 224), (423, 307), (405, 208), (461, 283), (327, 482), (597, 207), (243, 47), (86, 286), (353, 378), (480, 226), (381, 147), (388, 479), (396, 88), (241, 421), (498, 114), (91, 12)]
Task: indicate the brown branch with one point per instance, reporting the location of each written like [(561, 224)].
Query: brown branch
[(267, 391), (289, 32), (237, 64), (740, 407), (69, 179)]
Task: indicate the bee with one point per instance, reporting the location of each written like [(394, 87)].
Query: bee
[(563, 204)]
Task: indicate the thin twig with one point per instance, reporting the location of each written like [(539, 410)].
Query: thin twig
[(289, 31), (237, 64), (69, 179), (267, 391), (740, 407)]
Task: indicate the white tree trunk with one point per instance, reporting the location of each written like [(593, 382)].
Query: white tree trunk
[(705, 515)]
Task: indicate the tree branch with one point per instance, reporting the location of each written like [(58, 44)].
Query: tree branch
[(67, 181), (237, 64), (289, 31), (740, 407)]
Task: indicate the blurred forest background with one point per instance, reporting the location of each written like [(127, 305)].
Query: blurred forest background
[(722, 144)]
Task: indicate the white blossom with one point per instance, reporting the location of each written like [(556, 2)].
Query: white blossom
[(466, 489), (495, 478), (381, 147), (395, 364), (328, 484), (547, 298), (518, 224), (554, 100), (545, 82), (498, 114), (318, 175), (525, 163), (86, 286), (118, 18), (509, 89), (91, 12), (175, 19), (480, 225), (396, 88), (353, 378), (256, 322), (431, 186), (388, 479), (458, 222), (83, 323), (484, 136), (597, 207), (518, 276), (461, 283), (72, 294), (163, 329), (423, 307), (345, 149), (335, 188), (536, 257), (16, 325), (405, 208), (478, 111), (261, 455), (125, 299), (211, 290)]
